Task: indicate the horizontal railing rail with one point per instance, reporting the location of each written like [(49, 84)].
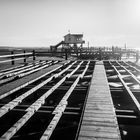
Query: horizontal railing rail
[(16, 57)]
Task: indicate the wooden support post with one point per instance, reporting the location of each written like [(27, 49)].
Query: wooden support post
[(113, 50), (24, 57), (12, 57), (77, 52), (66, 54), (121, 53), (80, 52), (33, 54), (100, 54)]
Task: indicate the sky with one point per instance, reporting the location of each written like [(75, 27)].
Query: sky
[(41, 23)]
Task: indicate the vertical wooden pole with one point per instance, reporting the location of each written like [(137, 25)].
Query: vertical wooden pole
[(113, 52), (77, 52), (66, 54), (33, 54), (80, 51), (100, 54), (12, 57), (24, 57)]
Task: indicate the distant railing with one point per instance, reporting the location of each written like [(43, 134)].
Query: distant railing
[(99, 53), (112, 52), (15, 57), (63, 54)]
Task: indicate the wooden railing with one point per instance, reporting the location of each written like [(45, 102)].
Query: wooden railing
[(99, 53), (16, 57)]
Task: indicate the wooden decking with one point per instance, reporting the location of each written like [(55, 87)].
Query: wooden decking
[(99, 120)]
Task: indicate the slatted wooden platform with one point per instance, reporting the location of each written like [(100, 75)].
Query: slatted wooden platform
[(99, 121)]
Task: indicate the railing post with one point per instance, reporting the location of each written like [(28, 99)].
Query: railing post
[(24, 57), (100, 54), (12, 57), (66, 54), (80, 52), (33, 54), (77, 52)]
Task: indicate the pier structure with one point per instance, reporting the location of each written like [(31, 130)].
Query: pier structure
[(71, 99), (92, 99), (91, 95)]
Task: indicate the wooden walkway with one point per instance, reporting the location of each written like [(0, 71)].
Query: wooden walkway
[(99, 120)]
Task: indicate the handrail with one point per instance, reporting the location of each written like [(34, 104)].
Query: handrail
[(5, 56), (11, 60), (15, 57)]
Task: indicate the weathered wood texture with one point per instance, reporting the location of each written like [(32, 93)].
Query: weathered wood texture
[(99, 120)]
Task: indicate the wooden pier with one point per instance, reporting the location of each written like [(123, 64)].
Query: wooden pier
[(99, 120)]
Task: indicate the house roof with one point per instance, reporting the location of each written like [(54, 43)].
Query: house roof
[(78, 35)]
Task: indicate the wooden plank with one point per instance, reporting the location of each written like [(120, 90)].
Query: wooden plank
[(91, 138), (102, 135), (99, 120)]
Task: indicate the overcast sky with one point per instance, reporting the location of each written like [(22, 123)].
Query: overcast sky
[(45, 22)]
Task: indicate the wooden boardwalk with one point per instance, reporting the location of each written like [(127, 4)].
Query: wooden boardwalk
[(99, 120)]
